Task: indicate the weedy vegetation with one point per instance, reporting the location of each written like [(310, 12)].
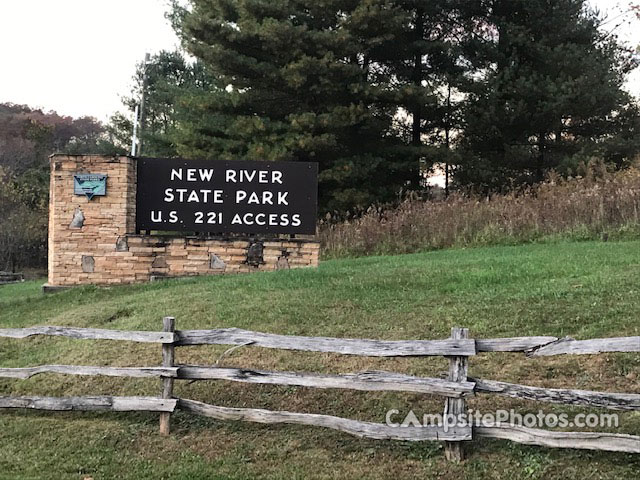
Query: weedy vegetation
[(597, 204)]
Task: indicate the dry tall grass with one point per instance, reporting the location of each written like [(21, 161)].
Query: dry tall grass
[(596, 204)]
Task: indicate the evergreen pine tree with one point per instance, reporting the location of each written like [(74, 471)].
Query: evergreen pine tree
[(548, 80), (300, 83)]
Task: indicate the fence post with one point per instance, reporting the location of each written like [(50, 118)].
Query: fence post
[(168, 359), (455, 406)]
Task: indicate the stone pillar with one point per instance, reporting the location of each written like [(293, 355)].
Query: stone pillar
[(83, 232)]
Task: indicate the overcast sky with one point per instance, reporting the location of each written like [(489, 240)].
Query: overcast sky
[(78, 56)]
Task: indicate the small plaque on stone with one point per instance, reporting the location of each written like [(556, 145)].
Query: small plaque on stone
[(90, 184)]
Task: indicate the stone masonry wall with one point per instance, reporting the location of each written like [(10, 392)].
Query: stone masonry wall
[(95, 241)]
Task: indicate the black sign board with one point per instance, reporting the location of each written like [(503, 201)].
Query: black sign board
[(226, 197)]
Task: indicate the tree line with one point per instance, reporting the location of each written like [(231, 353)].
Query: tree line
[(381, 92)]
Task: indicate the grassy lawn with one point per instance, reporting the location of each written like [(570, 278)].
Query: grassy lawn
[(584, 290)]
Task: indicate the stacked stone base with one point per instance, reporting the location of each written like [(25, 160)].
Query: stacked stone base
[(141, 258), (194, 256)]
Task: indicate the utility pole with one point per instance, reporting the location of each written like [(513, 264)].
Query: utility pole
[(144, 87), (134, 137), (138, 115)]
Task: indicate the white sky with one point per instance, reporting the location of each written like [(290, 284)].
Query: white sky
[(78, 56)]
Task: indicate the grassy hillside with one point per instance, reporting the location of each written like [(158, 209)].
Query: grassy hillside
[(580, 289)]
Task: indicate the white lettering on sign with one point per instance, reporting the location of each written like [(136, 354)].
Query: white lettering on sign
[(197, 196), (248, 176), (263, 198), (273, 219), (193, 174), (213, 218), (156, 216)]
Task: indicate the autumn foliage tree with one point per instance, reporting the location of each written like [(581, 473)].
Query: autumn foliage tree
[(27, 138)]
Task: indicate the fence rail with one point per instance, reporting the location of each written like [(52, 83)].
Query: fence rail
[(456, 388), (91, 403), (90, 334), (587, 398)]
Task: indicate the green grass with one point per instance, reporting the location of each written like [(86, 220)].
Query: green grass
[(585, 290)]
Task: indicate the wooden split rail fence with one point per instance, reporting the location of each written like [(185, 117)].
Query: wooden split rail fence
[(455, 388)]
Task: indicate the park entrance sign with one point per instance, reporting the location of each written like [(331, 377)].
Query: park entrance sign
[(226, 197), (118, 220)]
